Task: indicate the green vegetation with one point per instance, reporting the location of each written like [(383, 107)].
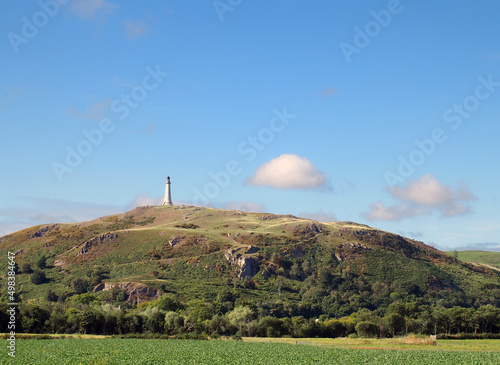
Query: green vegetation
[(187, 225), (182, 271), (136, 351)]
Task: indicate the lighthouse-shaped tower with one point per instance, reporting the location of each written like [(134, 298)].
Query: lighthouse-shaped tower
[(167, 200)]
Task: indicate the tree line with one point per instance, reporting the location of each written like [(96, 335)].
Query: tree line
[(169, 315)]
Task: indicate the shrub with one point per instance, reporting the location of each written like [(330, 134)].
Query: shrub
[(367, 329), (41, 262), (38, 277), (26, 268)]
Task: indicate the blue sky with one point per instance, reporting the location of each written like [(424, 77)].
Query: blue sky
[(379, 112)]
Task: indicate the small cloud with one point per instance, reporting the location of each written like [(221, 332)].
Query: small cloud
[(96, 110), (90, 9), (244, 207), (328, 92), (134, 29), (320, 216), (411, 234), (415, 234), (143, 200), (289, 172), (380, 212), (423, 197)]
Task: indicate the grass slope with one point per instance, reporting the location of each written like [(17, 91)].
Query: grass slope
[(480, 257), (183, 249)]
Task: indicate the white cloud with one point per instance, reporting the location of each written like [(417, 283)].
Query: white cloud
[(89, 9), (320, 216), (143, 200), (244, 207), (422, 197), (95, 111), (289, 172), (426, 191), (134, 29)]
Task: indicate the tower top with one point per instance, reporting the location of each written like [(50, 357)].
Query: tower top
[(168, 179)]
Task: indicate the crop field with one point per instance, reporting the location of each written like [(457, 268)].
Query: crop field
[(142, 351)]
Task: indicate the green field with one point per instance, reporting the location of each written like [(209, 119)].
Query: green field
[(481, 257), (140, 351)]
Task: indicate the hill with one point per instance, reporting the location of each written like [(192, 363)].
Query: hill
[(487, 258), (210, 254)]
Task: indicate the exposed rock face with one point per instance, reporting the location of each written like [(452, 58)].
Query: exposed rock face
[(135, 292), (93, 242), (314, 228), (175, 240), (355, 246), (248, 265), (252, 249), (42, 231), (268, 217), (350, 248)]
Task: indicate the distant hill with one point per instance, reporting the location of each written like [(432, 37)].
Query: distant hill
[(214, 254), (479, 257)]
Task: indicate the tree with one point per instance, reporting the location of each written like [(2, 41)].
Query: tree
[(240, 316), (33, 319), (295, 271), (41, 262), (38, 277), (168, 302), (334, 328), (367, 329), (395, 322), (219, 324), (81, 285), (57, 322), (174, 323), (51, 296)]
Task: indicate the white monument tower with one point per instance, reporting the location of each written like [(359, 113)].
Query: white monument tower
[(167, 200)]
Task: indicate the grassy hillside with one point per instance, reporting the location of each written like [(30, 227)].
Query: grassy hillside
[(211, 254), (481, 257)]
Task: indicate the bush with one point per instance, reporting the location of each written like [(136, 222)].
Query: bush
[(38, 277), (26, 268), (367, 329), (42, 262)]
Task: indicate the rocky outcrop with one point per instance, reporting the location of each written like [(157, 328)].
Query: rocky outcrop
[(248, 266), (135, 292), (269, 217), (312, 227), (90, 244), (175, 240), (42, 231), (350, 248)]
